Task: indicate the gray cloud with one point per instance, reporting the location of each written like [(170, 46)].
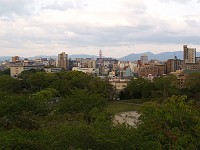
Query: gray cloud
[(116, 36), (179, 1), (132, 24), (193, 23), (137, 8), (85, 35), (61, 7), (67, 4), (14, 7)]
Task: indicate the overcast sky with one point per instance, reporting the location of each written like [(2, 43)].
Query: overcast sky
[(117, 27)]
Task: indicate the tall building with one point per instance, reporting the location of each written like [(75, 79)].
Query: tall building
[(144, 59), (189, 55), (173, 64), (15, 58), (63, 61), (191, 62)]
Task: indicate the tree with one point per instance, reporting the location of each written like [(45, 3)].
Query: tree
[(102, 87), (42, 80), (19, 139), (138, 88), (24, 76), (72, 80), (193, 85), (81, 102), (22, 111), (5, 72), (166, 86), (47, 94), (9, 84), (172, 125)]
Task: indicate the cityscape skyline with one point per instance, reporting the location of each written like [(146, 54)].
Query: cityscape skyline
[(111, 67), (119, 27), (162, 56)]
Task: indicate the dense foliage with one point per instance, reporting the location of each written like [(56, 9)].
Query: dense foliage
[(41, 111), (173, 125), (162, 87), (193, 86)]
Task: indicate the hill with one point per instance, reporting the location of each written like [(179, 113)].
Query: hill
[(161, 56), (131, 57)]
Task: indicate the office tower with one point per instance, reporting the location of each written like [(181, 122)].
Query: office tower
[(189, 55), (15, 58), (144, 59), (63, 60)]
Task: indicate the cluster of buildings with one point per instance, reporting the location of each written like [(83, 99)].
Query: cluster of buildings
[(119, 72)]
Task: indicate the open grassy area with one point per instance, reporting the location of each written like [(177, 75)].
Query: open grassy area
[(115, 107), (138, 101)]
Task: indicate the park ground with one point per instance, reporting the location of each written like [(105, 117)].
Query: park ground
[(119, 107), (124, 112)]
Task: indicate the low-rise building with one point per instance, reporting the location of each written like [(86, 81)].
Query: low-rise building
[(53, 70), (154, 70), (15, 70), (173, 64), (86, 70), (181, 80), (119, 84), (126, 72), (192, 66)]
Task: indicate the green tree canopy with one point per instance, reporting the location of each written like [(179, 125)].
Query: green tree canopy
[(166, 86), (42, 80), (172, 125), (22, 111), (138, 88), (9, 84), (80, 101), (193, 85), (5, 72)]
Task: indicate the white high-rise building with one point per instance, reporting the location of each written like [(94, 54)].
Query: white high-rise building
[(189, 55)]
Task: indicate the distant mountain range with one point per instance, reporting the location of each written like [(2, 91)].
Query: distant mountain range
[(54, 57), (70, 56), (131, 57), (161, 56), (5, 58)]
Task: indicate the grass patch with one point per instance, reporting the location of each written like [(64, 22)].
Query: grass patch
[(139, 101), (115, 107)]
